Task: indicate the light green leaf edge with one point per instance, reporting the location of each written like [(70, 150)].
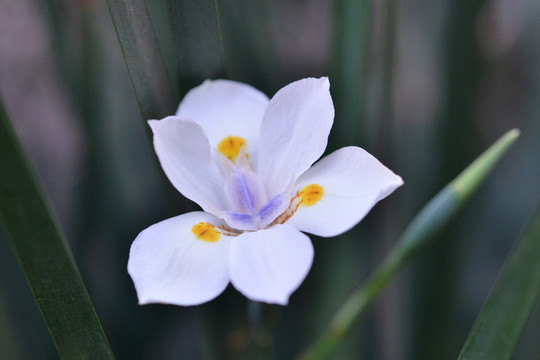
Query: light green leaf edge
[(498, 329), (429, 221), (44, 256), (142, 54)]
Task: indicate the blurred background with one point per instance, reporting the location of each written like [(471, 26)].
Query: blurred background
[(425, 86)]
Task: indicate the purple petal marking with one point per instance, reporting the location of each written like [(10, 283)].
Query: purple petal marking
[(243, 192), (241, 221), (272, 209)]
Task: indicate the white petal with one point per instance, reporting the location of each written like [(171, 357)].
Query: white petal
[(268, 265), (294, 132), (353, 182), (168, 264), (226, 108), (184, 153)]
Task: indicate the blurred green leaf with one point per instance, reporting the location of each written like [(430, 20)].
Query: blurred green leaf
[(8, 345), (155, 94), (353, 22), (381, 120), (497, 331), (429, 221), (250, 47), (198, 41), (44, 256)]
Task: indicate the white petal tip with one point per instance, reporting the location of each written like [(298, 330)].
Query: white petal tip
[(156, 124), (397, 183), (148, 301), (144, 302), (392, 186), (272, 301), (282, 302), (323, 81), (152, 123)]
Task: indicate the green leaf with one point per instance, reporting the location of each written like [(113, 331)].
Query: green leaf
[(353, 22), (198, 41), (44, 256), (250, 47), (8, 345), (497, 331), (429, 221), (149, 77)]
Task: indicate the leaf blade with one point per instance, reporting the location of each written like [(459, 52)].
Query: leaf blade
[(498, 329), (350, 65), (44, 256), (422, 229), (198, 41), (155, 94)]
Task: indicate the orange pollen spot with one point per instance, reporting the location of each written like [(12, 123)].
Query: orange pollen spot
[(205, 232), (308, 196), (231, 146), (311, 194)]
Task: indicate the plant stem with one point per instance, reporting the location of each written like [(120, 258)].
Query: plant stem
[(436, 214)]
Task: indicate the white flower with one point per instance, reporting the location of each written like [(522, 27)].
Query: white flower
[(247, 161)]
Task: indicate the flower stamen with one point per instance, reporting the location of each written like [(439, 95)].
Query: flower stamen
[(296, 201), (308, 196), (227, 231)]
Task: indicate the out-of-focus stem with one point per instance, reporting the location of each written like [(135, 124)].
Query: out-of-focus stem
[(437, 213)]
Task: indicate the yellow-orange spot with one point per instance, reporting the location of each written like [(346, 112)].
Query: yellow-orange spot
[(311, 194), (205, 232), (230, 146)]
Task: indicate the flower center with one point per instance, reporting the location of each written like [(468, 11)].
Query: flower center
[(250, 206)]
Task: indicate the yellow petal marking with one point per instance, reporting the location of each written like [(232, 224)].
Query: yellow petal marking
[(311, 194), (308, 196), (205, 232), (230, 146)]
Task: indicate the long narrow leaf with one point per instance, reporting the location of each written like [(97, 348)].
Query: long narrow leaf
[(429, 221), (143, 58), (198, 41), (8, 344), (251, 44), (44, 256), (498, 329), (350, 66)]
